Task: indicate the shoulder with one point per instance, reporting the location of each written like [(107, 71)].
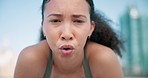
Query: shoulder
[(103, 61), (32, 61), (37, 50), (98, 50)]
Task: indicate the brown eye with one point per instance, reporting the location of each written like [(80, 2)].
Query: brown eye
[(55, 21), (78, 21)]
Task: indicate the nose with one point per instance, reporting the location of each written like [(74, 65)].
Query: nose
[(66, 33)]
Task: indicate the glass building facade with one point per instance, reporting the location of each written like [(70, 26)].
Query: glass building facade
[(134, 31)]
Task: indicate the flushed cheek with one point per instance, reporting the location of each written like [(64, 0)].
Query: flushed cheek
[(51, 40), (81, 38), (83, 33), (52, 36), (51, 31)]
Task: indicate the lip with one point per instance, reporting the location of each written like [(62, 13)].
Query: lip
[(66, 50)]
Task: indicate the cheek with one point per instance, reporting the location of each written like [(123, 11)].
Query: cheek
[(49, 30), (51, 34), (83, 35), (84, 32)]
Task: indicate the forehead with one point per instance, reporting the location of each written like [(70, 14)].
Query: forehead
[(70, 6)]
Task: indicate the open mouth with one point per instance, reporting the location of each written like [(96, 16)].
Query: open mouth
[(66, 49)]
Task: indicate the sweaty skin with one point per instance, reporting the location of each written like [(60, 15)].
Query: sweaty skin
[(67, 24), (32, 61)]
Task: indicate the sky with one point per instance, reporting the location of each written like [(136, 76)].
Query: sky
[(20, 20)]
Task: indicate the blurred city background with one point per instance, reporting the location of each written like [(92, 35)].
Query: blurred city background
[(20, 23)]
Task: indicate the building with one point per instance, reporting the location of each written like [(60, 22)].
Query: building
[(134, 30)]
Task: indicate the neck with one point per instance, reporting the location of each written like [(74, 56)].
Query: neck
[(68, 73), (70, 63), (68, 67)]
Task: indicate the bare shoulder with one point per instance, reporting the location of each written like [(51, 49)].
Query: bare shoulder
[(32, 61), (103, 61), (38, 50), (95, 49)]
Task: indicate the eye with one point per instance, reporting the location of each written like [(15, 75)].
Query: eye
[(78, 21), (55, 21)]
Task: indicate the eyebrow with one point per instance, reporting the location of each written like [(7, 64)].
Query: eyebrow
[(58, 15), (75, 15)]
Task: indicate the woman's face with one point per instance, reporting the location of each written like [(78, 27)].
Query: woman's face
[(67, 26)]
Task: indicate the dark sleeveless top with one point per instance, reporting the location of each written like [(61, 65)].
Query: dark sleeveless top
[(85, 63)]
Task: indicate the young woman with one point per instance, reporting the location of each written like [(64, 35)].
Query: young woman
[(78, 44)]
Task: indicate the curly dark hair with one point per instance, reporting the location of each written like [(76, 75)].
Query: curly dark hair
[(102, 34)]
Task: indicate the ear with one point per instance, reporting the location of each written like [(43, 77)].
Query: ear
[(92, 28)]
